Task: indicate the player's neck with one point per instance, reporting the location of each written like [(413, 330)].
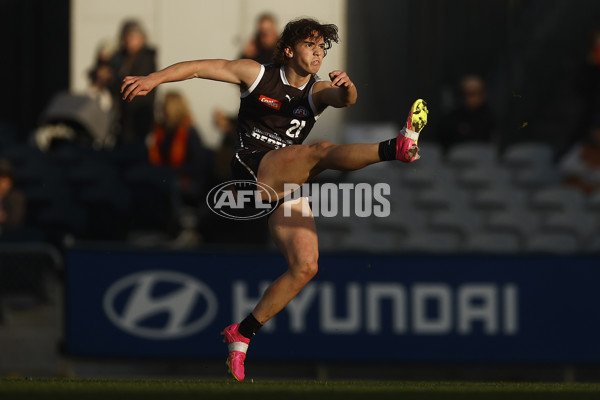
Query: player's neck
[(295, 76)]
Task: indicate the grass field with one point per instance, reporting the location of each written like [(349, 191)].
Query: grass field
[(149, 389)]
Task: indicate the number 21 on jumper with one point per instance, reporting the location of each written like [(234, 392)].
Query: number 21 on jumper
[(297, 127)]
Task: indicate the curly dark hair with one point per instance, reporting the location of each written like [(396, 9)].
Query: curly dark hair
[(300, 29)]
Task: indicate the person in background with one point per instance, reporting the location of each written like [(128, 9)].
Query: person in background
[(174, 142), (134, 57), (261, 47), (472, 120), (581, 165), (12, 200)]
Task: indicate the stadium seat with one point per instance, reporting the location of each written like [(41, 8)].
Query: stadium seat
[(66, 155), (440, 197), (63, 219), (156, 198), (107, 205), (515, 220), (499, 199), (493, 242), (460, 220), (431, 154), (472, 155), (527, 155), (421, 176), (593, 245), (426, 241), (127, 156), (337, 222), (381, 172), (555, 243), (560, 198), (574, 222), (370, 241), (593, 203), (483, 177), (370, 133), (93, 173), (20, 154), (535, 177), (402, 219)]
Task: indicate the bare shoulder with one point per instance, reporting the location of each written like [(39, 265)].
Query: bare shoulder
[(247, 70), (320, 86)]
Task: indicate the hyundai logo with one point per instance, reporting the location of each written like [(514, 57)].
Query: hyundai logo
[(160, 304)]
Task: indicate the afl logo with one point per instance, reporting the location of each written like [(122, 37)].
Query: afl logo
[(242, 199), (160, 305), (301, 112)]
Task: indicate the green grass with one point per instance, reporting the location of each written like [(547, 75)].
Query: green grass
[(169, 389)]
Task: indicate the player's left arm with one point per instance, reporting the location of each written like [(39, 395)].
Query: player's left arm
[(340, 92)]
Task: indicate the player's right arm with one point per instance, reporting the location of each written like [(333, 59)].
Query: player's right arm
[(240, 72)]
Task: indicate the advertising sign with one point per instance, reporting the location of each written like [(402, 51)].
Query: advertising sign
[(359, 307)]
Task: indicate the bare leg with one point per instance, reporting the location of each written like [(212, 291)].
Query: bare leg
[(297, 164), (296, 238)]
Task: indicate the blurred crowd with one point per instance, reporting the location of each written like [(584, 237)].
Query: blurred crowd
[(99, 168)]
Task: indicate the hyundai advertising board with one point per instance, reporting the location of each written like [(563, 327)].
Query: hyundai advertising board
[(359, 307)]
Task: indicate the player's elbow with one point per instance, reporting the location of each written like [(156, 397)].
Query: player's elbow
[(350, 97)]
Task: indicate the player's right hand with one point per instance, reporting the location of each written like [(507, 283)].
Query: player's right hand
[(134, 86)]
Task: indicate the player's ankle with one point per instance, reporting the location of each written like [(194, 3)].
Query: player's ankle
[(249, 326), (387, 150)]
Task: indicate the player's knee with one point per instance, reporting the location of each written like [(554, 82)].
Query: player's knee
[(305, 271), (320, 149)]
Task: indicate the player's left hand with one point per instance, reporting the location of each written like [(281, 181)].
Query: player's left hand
[(340, 79)]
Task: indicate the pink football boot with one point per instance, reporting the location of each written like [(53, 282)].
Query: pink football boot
[(237, 346), (406, 142)]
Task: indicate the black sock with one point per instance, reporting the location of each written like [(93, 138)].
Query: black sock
[(387, 150), (249, 326)]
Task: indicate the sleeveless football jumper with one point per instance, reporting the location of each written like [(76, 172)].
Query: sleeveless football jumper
[(273, 114)]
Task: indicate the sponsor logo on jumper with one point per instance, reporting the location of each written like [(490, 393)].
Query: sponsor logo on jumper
[(242, 200), (287, 96), (275, 104), (160, 305), (269, 138), (301, 112)]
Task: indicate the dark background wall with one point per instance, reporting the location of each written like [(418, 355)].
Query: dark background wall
[(35, 58), (528, 51)]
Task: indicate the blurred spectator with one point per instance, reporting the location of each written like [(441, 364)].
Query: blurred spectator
[(12, 200), (581, 165), (226, 125), (589, 88), (175, 143), (260, 48), (133, 57), (102, 78), (472, 120)]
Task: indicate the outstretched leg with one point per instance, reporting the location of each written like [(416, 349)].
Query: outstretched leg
[(297, 164)]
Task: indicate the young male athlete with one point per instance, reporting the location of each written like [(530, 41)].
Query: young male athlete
[(279, 105)]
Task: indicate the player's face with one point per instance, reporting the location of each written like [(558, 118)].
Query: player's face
[(309, 54)]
